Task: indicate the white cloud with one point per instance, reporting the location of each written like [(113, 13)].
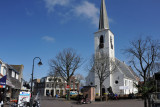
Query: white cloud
[(28, 12), (50, 4), (84, 9), (48, 38), (111, 20), (88, 10)]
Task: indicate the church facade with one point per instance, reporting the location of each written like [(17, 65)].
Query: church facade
[(123, 79)]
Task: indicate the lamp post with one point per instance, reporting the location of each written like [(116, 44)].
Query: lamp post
[(39, 63)]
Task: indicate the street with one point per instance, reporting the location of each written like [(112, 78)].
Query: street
[(60, 102)]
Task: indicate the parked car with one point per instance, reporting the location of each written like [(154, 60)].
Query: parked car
[(73, 93)]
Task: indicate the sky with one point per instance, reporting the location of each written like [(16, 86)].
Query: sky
[(43, 28)]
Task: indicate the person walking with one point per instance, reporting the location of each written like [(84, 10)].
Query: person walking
[(1, 99)]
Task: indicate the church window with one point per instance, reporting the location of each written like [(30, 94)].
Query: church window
[(101, 45), (126, 83), (111, 42), (116, 82)]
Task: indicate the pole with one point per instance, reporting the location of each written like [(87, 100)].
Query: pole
[(31, 91), (31, 100), (156, 86)]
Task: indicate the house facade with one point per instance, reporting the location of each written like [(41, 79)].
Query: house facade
[(122, 80), (13, 81), (47, 85)]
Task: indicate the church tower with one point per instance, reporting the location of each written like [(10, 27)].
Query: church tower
[(104, 38), (104, 43)]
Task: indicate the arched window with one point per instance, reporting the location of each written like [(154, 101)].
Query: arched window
[(111, 42), (101, 39), (101, 42)]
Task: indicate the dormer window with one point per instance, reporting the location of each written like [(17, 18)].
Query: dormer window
[(13, 74), (17, 76), (101, 42)]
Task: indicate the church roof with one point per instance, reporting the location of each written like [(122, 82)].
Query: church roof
[(103, 20), (126, 70)]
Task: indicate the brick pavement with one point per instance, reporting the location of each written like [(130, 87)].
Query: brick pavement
[(60, 102)]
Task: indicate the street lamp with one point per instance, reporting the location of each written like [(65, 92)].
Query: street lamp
[(39, 63)]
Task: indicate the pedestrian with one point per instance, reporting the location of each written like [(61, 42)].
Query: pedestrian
[(8, 95), (66, 96), (2, 99), (116, 96)]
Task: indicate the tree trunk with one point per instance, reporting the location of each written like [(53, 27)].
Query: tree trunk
[(145, 102), (100, 91), (149, 101), (145, 97), (68, 91)]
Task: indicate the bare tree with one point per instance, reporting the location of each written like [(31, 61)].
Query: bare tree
[(80, 79), (144, 53), (102, 66), (156, 68), (66, 63), (53, 74)]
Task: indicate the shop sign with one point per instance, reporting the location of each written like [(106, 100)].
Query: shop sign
[(23, 97), (3, 81)]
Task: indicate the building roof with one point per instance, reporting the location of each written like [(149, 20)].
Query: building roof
[(18, 68), (126, 70), (103, 20), (16, 83)]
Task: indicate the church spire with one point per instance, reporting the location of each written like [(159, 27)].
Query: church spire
[(103, 20)]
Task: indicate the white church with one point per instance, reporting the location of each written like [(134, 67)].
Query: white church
[(123, 79)]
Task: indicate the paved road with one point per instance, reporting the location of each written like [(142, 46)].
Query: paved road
[(52, 102)]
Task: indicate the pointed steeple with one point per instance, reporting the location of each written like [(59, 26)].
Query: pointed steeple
[(103, 20)]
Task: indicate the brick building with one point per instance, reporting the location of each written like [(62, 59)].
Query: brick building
[(47, 85)]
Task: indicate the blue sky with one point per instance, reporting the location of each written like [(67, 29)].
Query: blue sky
[(30, 28)]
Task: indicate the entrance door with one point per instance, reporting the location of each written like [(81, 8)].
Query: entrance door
[(103, 91), (52, 92), (47, 92), (61, 93)]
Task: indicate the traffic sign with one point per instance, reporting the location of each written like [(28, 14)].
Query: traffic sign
[(67, 87)]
